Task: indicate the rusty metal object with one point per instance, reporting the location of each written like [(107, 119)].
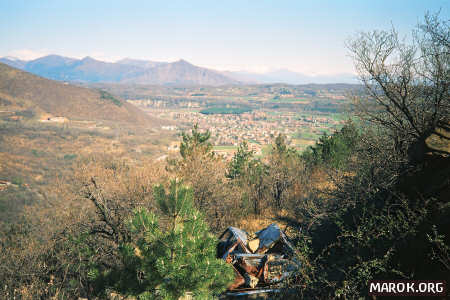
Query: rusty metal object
[(260, 263), (4, 185)]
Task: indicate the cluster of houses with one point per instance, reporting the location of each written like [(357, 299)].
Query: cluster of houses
[(257, 127)]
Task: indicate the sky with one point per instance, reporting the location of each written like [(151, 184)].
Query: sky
[(257, 36)]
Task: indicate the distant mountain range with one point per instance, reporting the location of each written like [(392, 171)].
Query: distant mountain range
[(290, 77), (132, 71), (22, 91)]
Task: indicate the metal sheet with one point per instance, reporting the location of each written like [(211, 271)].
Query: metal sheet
[(260, 291), (269, 236)]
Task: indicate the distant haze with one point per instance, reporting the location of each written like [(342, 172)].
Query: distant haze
[(306, 37), (133, 71)]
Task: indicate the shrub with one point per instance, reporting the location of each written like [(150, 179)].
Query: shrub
[(333, 150), (107, 96), (69, 156)]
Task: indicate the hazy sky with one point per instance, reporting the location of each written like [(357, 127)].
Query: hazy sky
[(303, 36)]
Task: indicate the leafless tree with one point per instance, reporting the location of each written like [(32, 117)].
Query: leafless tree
[(406, 85)]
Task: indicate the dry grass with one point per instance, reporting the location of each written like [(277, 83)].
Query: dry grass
[(320, 180), (253, 223), (38, 156), (439, 143), (43, 96)]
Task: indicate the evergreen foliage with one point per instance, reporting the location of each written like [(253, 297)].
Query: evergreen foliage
[(333, 150), (283, 167), (239, 162), (250, 175), (107, 96), (264, 181), (167, 261), (196, 143), (256, 181), (204, 172)]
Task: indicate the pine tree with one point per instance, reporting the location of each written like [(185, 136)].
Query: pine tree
[(195, 144), (239, 162), (168, 261)]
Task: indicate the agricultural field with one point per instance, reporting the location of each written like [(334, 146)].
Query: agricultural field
[(252, 113)]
